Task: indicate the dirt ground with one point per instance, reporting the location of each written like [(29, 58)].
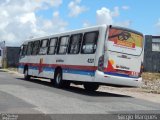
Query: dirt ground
[(132, 92), (151, 82)]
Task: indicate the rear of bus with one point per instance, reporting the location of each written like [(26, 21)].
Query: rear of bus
[(122, 60)]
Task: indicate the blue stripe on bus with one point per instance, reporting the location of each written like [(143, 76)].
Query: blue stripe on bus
[(119, 75), (48, 69), (71, 71), (33, 67), (81, 72)]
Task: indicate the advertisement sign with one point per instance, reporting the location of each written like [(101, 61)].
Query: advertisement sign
[(125, 41)]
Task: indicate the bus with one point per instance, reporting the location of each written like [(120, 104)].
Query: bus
[(93, 56)]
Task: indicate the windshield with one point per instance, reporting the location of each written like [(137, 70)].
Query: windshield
[(125, 41)]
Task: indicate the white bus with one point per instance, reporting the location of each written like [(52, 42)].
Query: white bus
[(93, 56)]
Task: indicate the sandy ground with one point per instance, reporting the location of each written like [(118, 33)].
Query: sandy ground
[(133, 92)]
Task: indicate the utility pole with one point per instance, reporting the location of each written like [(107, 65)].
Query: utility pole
[(3, 60)]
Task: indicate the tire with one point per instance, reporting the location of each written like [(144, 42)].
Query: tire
[(26, 76), (58, 79), (91, 86)]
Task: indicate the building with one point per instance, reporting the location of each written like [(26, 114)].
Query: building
[(152, 53), (11, 56)]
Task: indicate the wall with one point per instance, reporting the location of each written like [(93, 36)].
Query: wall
[(12, 56), (151, 56)]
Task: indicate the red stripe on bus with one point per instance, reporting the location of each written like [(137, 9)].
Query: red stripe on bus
[(61, 65)]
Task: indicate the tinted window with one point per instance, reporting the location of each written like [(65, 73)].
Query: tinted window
[(0, 52), (23, 50), (89, 42), (35, 48), (44, 43), (43, 47), (52, 46), (63, 42), (29, 48), (75, 42)]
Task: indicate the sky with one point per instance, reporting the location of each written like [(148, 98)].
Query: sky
[(24, 19)]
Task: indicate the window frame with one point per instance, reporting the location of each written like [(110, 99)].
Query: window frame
[(95, 43), (59, 42), (55, 47), (41, 41), (37, 52), (80, 43)]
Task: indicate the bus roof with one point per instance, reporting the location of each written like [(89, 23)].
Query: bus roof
[(82, 29), (65, 32)]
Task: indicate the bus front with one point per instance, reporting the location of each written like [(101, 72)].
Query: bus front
[(122, 61)]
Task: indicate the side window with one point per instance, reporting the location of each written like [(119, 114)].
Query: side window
[(89, 42), (52, 46), (74, 44), (43, 47), (35, 48), (63, 42), (0, 53), (29, 48)]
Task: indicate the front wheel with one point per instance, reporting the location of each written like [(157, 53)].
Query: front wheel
[(26, 76), (58, 79), (91, 86)]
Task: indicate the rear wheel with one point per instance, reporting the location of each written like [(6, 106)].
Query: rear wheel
[(91, 86), (26, 76)]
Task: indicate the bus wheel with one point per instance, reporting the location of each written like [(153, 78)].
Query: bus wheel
[(26, 76), (58, 79), (91, 86)]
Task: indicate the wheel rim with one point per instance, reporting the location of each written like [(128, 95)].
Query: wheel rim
[(58, 78)]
